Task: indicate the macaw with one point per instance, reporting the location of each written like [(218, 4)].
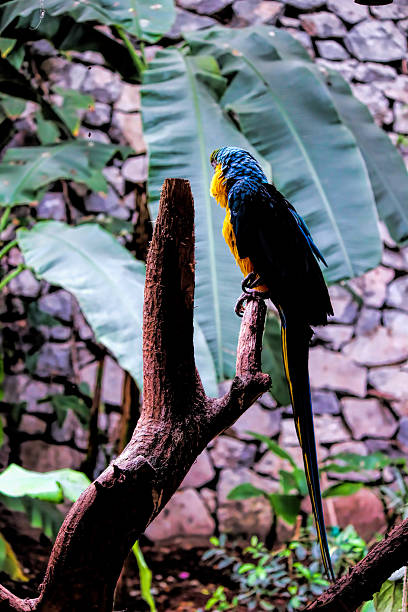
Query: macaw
[(275, 251)]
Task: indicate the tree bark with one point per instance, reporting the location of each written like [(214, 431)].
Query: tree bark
[(176, 424)]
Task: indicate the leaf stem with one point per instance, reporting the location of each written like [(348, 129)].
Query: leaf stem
[(8, 247), (140, 63), (12, 275), (4, 218)]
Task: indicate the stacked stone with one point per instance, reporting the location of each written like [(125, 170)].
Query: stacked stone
[(358, 363)]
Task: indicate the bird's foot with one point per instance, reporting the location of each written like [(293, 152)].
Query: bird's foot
[(246, 297), (251, 281)]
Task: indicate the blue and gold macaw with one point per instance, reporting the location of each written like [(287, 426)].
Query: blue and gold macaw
[(276, 253)]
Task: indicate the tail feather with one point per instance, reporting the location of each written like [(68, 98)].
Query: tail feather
[(295, 350)]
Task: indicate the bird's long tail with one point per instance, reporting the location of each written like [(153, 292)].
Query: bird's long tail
[(295, 350)]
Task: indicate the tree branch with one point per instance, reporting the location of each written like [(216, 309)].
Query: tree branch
[(176, 423), (366, 578)]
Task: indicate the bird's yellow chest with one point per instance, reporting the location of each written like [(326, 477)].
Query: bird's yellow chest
[(219, 192)]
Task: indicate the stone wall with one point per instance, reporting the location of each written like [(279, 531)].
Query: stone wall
[(359, 370)]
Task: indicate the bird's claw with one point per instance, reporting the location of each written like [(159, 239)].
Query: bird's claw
[(246, 297), (247, 282)]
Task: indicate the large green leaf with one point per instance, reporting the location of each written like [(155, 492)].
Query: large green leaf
[(272, 362), (103, 276), (387, 170), (389, 598), (53, 486), (108, 283), (25, 172), (288, 115), (142, 18), (183, 123)]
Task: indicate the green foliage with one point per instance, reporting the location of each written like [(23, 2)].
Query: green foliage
[(389, 598), (36, 494), (63, 403), (145, 577), (26, 172), (141, 18), (101, 271)]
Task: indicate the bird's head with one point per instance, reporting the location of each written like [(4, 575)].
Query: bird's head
[(237, 163)]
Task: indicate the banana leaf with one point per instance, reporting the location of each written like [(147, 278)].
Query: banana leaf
[(25, 172), (183, 122), (288, 115), (386, 167), (142, 18), (108, 283)]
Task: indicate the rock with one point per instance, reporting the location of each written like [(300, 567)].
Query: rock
[(344, 306), (130, 124), (57, 304), (348, 10), (188, 22), (401, 118), (391, 382), (60, 333), (43, 47), (270, 464), (403, 25), (63, 73), (135, 169), (185, 515), (54, 360), (258, 420), (363, 510), (231, 453), (249, 516), (108, 203), (397, 295), (397, 10), (209, 497), (267, 401), (381, 347), (325, 402), (204, 7), (376, 41), (368, 321), (374, 284), (129, 99), (104, 85), (395, 259), (112, 382), (289, 22), (306, 4), (335, 335), (52, 206), (328, 429), (368, 418), (114, 176), (66, 433), (265, 11), (331, 50), (334, 371), (39, 456), (396, 322), (371, 71), (99, 114), (323, 25), (24, 284), (92, 135), (32, 425), (345, 67), (375, 100), (200, 472), (403, 431), (396, 89)]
